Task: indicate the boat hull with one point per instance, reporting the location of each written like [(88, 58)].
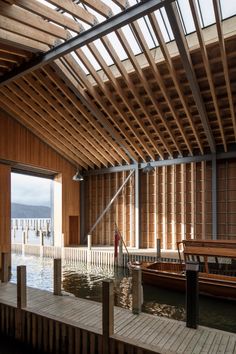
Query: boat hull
[(176, 280)]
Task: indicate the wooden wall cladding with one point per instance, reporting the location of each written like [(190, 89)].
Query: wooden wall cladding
[(5, 210), (18, 144), (176, 204)]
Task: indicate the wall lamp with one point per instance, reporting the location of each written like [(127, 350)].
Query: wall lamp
[(78, 177)]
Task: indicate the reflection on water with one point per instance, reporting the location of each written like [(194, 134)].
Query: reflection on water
[(86, 282)]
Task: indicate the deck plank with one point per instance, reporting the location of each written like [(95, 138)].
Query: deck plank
[(159, 334)]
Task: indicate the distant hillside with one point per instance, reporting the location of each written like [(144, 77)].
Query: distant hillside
[(29, 211)]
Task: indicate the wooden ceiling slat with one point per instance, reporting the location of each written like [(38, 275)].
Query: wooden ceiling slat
[(22, 42), (26, 31), (145, 83), (4, 48), (25, 17), (174, 76), (58, 121), (110, 96), (135, 92), (99, 99), (11, 58), (223, 53), (38, 129), (97, 112), (38, 113), (160, 82), (79, 132), (207, 68), (181, 42), (112, 148), (75, 10), (99, 6), (126, 101), (51, 15)]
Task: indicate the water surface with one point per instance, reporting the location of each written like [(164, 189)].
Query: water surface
[(86, 282)]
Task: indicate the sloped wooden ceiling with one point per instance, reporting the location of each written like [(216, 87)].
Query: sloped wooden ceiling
[(174, 100)]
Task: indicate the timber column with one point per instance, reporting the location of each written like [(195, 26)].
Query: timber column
[(5, 221)]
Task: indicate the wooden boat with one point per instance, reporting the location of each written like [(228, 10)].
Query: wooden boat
[(217, 263)]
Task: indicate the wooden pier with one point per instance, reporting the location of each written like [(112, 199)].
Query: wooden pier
[(64, 324)]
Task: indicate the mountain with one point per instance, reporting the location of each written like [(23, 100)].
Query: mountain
[(29, 211)]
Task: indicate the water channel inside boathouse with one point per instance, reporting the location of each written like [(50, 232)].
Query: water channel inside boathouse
[(85, 281)]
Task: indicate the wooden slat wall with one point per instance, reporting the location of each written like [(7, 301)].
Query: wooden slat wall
[(176, 204), (19, 145)]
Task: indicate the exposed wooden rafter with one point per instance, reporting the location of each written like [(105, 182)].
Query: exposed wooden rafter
[(177, 29)]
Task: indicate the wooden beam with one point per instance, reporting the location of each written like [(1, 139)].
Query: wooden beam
[(101, 102), (100, 7), (22, 42), (223, 54), (26, 31), (161, 84), (145, 83), (206, 62), (111, 50), (84, 38), (51, 15), (100, 135), (55, 118), (174, 76), (75, 10), (25, 17), (126, 102), (66, 110), (177, 29)]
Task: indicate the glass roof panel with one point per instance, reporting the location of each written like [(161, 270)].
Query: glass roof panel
[(164, 25), (228, 8), (131, 39), (91, 58), (75, 56), (207, 12), (102, 50), (186, 15), (148, 35), (117, 45)]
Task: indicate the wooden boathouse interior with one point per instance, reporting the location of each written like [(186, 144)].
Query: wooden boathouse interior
[(132, 93)]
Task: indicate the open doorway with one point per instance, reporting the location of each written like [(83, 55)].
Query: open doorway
[(32, 212)]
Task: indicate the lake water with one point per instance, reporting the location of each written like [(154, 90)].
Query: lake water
[(86, 282)]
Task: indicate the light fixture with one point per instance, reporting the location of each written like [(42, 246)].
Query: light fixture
[(78, 177), (148, 168)]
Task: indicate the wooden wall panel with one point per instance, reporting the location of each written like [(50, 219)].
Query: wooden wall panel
[(19, 145), (176, 204), (5, 209)]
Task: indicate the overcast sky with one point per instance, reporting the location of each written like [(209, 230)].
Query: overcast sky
[(30, 190)]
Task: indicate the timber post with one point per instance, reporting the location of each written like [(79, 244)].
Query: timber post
[(136, 290), (57, 276), (107, 313), (158, 248), (21, 287), (120, 254), (192, 295), (5, 267), (41, 240), (89, 244)]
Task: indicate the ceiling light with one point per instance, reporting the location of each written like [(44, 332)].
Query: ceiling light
[(78, 177), (148, 168)]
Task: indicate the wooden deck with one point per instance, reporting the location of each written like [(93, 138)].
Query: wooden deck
[(152, 333)]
